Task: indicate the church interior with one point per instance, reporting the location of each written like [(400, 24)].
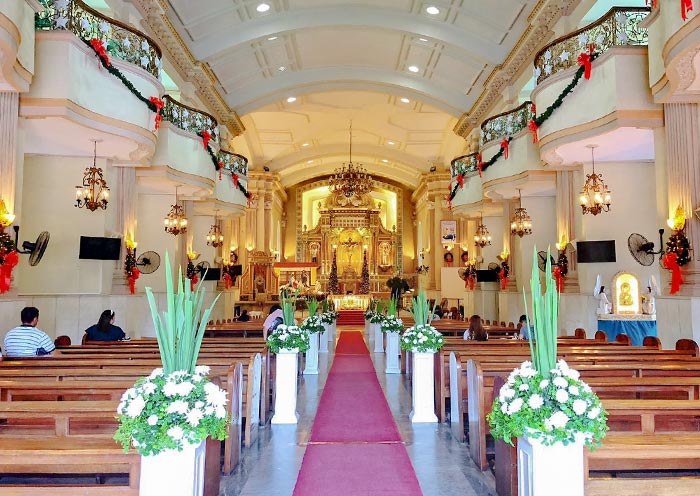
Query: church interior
[(349, 152)]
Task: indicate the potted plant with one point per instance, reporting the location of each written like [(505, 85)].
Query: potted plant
[(376, 323), (313, 327), (546, 406), (168, 415), (392, 326), (329, 318), (422, 340), (286, 341), (369, 313)]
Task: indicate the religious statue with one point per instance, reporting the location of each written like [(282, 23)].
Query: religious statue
[(649, 298), (625, 297), (384, 249), (604, 306)]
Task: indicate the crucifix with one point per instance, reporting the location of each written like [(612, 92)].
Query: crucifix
[(349, 247)]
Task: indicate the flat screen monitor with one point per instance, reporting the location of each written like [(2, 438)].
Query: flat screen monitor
[(93, 248), (487, 275), (212, 274), (595, 251)]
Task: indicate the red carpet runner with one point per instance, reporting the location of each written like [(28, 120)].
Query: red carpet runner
[(355, 448)]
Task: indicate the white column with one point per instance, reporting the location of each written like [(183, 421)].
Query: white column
[(311, 355), (423, 388), (9, 120), (392, 353), (285, 388)]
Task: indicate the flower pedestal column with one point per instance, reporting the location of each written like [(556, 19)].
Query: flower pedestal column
[(323, 339), (172, 472), (545, 470), (368, 327), (311, 362), (286, 387), (392, 353), (378, 338), (423, 388), (333, 330)]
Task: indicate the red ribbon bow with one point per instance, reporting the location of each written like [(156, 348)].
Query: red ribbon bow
[(585, 60), (206, 136), (504, 278), (11, 260), (460, 180), (449, 202), (193, 281), (532, 126), (686, 6), (159, 104), (653, 3), (533, 108), (504, 146), (101, 50), (670, 261), (135, 273), (228, 282), (235, 180), (559, 278), (479, 164)]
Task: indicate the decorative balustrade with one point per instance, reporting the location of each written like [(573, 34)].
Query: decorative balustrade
[(507, 123), (121, 41), (467, 165), (233, 162), (619, 27), (189, 119)]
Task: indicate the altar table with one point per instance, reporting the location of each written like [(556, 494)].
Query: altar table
[(637, 327)]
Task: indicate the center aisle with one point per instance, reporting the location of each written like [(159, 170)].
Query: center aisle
[(355, 446)]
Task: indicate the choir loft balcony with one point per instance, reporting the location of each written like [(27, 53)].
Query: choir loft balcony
[(16, 45), (614, 105), (465, 171), (519, 165), (73, 98)]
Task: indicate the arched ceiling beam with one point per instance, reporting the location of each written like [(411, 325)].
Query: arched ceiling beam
[(253, 97), (298, 173), (356, 16)]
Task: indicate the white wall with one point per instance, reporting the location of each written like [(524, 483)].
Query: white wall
[(543, 213)]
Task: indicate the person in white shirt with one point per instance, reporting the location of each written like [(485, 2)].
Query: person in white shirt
[(26, 340)]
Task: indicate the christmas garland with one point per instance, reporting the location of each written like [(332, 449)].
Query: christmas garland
[(585, 60), (155, 104)]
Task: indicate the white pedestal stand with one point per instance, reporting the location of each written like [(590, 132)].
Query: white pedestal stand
[(286, 387), (177, 473), (311, 367), (333, 329), (392, 353), (423, 388), (545, 470), (368, 327), (378, 338), (323, 339)]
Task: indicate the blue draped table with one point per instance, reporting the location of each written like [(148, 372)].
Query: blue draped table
[(637, 330)]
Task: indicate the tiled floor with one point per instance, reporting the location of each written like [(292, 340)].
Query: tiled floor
[(270, 467)]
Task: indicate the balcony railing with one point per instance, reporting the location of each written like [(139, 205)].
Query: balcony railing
[(467, 165), (507, 123), (234, 163), (619, 27), (189, 119), (122, 41)]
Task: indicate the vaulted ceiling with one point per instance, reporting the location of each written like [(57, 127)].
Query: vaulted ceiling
[(298, 72)]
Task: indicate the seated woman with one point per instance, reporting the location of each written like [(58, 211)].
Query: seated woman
[(105, 330), (244, 317), (476, 329)]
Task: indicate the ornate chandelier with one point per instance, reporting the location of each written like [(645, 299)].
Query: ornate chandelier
[(94, 193), (175, 222), (215, 238), (521, 223), (483, 236), (595, 195), (351, 180)]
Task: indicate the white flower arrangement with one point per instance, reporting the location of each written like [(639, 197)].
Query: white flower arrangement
[(545, 399), (169, 411), (288, 337), (559, 409), (329, 317), (391, 323), (422, 338), (312, 324)]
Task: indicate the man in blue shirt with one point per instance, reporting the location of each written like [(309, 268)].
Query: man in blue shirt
[(525, 331), (26, 340)]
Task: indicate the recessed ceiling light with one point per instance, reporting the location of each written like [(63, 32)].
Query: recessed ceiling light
[(385, 161), (291, 99), (309, 161), (422, 39), (405, 100), (272, 38), (305, 144), (281, 68), (390, 143), (432, 10), (263, 7), (413, 68)]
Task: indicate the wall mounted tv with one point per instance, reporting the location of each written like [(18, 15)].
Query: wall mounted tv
[(486, 275), (92, 248), (595, 251)]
